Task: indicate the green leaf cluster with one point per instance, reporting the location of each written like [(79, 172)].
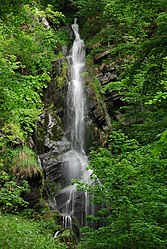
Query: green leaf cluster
[(28, 42), (131, 195), (11, 192), (16, 232)]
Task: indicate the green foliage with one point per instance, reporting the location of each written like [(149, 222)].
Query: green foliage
[(18, 167), (21, 157), (47, 220), (24, 157), (132, 178), (30, 41), (11, 193), (12, 135), (88, 9), (61, 79), (27, 51), (161, 145), (119, 143), (135, 34), (55, 16), (133, 195), (137, 41), (16, 232)]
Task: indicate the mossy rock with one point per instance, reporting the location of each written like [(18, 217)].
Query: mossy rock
[(68, 237), (25, 165)]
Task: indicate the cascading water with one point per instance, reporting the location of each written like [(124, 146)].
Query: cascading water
[(75, 98), (75, 159)]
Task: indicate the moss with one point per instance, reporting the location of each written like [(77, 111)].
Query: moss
[(101, 127), (62, 78), (25, 164), (12, 135), (96, 87), (57, 129), (68, 237)]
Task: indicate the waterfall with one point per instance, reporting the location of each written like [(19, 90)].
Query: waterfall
[(75, 98), (75, 159)]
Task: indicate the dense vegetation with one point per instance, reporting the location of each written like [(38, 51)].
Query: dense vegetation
[(20, 233), (133, 185), (29, 45), (131, 165)]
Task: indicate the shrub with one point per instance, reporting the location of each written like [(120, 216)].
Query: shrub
[(16, 232)]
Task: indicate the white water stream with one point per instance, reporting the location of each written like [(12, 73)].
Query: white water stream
[(76, 98), (76, 157)]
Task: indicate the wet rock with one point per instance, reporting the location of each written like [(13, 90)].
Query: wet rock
[(79, 208), (67, 236), (54, 168), (99, 75), (51, 123), (45, 22), (97, 114), (65, 50), (57, 147), (35, 183), (111, 76), (33, 196), (100, 56), (106, 78)]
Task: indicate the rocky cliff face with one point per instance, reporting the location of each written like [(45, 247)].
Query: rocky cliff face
[(52, 145), (52, 124), (107, 71)]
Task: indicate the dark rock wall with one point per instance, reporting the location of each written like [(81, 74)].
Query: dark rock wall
[(103, 106), (51, 125), (50, 141)]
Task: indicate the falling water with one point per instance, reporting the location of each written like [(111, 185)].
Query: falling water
[(75, 98), (75, 158)]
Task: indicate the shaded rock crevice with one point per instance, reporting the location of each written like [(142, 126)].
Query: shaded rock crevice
[(103, 105)]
